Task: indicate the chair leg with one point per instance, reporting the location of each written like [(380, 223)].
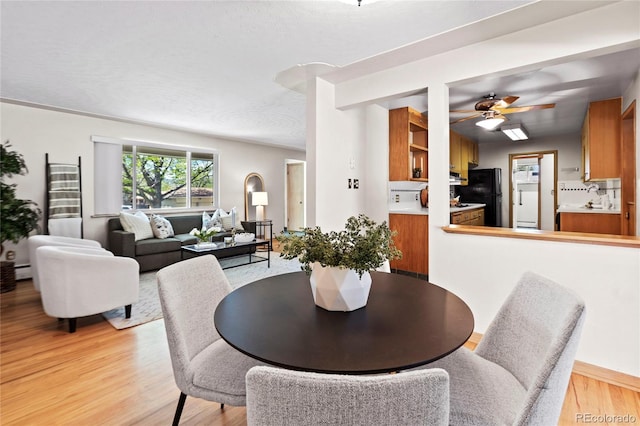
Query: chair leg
[(222, 406), (127, 311), (72, 325), (176, 417)]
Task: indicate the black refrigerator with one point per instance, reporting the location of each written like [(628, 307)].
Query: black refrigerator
[(485, 186)]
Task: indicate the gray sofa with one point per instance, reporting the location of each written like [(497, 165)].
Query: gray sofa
[(155, 253)]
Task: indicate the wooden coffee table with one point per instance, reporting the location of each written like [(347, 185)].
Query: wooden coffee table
[(222, 250)]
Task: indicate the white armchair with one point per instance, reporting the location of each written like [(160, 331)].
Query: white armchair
[(36, 241), (77, 282)]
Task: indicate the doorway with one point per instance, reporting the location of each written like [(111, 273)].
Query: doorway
[(295, 200), (533, 190), (628, 183)]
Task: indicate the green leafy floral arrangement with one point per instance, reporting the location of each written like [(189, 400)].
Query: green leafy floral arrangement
[(362, 246)]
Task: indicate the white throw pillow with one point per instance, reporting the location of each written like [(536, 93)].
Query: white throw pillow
[(207, 221), (227, 224), (216, 218), (161, 227), (227, 220), (137, 223)]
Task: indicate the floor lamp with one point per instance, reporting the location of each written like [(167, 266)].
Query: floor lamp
[(260, 199)]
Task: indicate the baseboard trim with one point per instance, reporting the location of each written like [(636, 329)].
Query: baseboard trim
[(475, 338), (602, 374), (608, 376)]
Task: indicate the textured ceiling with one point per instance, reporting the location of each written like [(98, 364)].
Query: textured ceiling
[(203, 66)]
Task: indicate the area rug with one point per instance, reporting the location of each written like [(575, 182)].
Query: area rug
[(148, 306)]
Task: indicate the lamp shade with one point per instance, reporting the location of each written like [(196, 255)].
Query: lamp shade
[(259, 199)]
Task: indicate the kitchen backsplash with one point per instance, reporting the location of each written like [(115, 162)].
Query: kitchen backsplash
[(405, 193), (576, 192)]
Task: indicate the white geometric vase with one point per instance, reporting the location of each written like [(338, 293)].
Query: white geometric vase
[(339, 289)]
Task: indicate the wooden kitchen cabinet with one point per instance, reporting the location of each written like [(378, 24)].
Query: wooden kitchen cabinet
[(597, 223), (408, 144), (463, 152), (474, 154), (455, 163), (601, 140), (412, 240), (468, 217), (465, 144)]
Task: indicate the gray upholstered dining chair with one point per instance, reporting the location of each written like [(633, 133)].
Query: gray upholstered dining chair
[(520, 370), (282, 397), (204, 365)]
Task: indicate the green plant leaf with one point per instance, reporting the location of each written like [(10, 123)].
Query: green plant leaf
[(18, 217), (361, 246)]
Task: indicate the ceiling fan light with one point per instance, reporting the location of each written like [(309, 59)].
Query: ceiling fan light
[(490, 123), (515, 132)]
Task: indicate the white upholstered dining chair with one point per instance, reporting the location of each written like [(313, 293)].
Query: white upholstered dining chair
[(36, 241), (204, 365), (279, 397), (519, 372)]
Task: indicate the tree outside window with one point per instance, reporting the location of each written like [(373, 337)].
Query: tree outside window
[(161, 177)]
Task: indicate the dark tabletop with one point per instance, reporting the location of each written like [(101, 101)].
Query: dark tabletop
[(406, 323)]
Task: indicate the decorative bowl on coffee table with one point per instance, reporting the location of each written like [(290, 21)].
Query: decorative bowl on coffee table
[(244, 237)]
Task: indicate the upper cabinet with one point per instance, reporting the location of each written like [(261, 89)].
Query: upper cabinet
[(463, 153), (408, 145), (455, 164), (474, 154), (601, 139)]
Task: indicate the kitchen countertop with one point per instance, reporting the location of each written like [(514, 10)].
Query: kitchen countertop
[(468, 206), (412, 209), (582, 209)]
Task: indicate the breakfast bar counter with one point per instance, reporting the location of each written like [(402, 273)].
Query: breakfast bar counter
[(404, 209)]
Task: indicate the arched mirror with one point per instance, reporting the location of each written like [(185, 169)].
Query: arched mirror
[(252, 183)]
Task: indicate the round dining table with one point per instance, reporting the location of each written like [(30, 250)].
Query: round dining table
[(406, 323)]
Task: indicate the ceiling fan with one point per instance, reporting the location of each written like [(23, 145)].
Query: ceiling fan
[(493, 109)]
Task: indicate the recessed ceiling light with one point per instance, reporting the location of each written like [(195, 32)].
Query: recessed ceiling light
[(516, 132)]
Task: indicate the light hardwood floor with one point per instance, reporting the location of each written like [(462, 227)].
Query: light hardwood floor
[(100, 375)]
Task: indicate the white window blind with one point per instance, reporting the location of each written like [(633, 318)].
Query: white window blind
[(107, 179)]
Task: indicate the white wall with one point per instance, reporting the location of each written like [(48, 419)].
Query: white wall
[(339, 145), (34, 132), (375, 160), (483, 270)]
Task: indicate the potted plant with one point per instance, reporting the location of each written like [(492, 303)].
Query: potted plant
[(19, 217), (339, 262)]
